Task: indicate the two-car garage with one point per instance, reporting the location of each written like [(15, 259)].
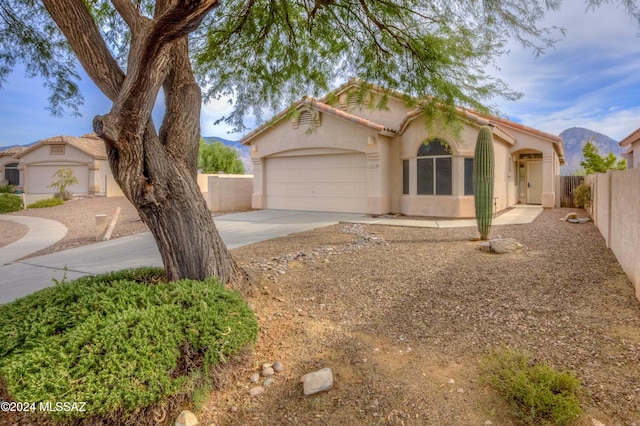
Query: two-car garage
[(324, 182)]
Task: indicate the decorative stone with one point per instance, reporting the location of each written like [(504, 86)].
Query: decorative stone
[(255, 391), (505, 245), (277, 366), (255, 378), (187, 418), (268, 371), (268, 382), (570, 216), (317, 381)]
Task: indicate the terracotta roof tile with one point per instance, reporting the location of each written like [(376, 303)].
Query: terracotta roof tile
[(89, 144), (633, 137)]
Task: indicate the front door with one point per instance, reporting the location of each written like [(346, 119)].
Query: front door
[(534, 182)]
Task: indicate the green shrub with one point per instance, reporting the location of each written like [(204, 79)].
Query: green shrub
[(49, 202), (10, 203), (120, 341), (538, 393), (6, 189), (582, 196)]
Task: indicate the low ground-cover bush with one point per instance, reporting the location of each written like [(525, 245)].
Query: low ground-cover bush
[(48, 202), (7, 189), (538, 393), (120, 341), (582, 196), (10, 203)]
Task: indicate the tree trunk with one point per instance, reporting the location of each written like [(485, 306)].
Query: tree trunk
[(156, 172)]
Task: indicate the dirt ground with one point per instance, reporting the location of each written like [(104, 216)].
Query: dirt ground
[(403, 315)]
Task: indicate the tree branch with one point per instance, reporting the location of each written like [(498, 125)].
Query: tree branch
[(128, 12), (181, 19), (76, 23)]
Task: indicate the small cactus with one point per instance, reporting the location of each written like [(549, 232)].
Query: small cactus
[(483, 176)]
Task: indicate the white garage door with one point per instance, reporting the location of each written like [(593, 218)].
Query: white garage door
[(328, 183), (40, 177)]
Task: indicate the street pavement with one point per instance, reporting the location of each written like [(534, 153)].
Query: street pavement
[(19, 278)]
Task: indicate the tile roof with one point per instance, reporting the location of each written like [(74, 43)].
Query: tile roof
[(90, 144), (501, 126), (11, 151), (633, 137), (320, 106)]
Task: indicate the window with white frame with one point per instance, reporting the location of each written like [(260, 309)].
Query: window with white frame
[(434, 168)]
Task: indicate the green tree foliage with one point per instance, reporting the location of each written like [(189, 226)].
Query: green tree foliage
[(64, 178), (216, 157), (595, 163)]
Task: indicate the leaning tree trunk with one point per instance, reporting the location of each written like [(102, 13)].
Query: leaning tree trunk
[(156, 172)]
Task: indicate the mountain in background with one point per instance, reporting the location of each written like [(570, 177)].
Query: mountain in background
[(244, 152), (575, 138)]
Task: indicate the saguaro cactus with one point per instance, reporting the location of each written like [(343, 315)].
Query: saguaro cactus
[(483, 176)]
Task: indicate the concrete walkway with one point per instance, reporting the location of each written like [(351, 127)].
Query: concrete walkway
[(19, 278), (41, 234), (518, 215)]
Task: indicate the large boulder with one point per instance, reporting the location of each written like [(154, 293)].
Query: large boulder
[(505, 245)]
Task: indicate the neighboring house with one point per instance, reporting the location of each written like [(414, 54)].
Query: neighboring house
[(632, 144), (84, 155), (9, 166), (342, 157)]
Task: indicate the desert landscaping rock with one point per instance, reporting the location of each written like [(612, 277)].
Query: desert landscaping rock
[(255, 378), (268, 382), (187, 418), (317, 381), (267, 372), (278, 367), (255, 391), (505, 245)]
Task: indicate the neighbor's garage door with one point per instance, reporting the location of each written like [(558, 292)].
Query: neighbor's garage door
[(40, 177), (328, 183)]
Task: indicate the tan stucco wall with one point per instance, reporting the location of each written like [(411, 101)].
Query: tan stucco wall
[(550, 162), (112, 189), (457, 204), (393, 113), (384, 155), (229, 192), (616, 212), (333, 136), (635, 160), (38, 166)]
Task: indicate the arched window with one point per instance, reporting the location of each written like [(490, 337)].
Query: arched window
[(434, 165)]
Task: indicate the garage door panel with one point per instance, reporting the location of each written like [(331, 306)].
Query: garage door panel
[(317, 182), (40, 177)]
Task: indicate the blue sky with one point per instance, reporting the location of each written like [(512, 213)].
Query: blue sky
[(591, 79)]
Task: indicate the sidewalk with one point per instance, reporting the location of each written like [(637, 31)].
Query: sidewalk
[(41, 234), (24, 277)]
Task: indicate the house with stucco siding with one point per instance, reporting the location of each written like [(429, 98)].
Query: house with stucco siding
[(632, 153), (85, 156), (333, 154)]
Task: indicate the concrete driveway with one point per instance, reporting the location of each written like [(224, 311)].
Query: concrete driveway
[(17, 279), (20, 278)]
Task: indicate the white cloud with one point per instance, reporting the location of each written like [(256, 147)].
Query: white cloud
[(591, 79)]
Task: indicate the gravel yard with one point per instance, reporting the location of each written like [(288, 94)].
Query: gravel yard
[(403, 315)]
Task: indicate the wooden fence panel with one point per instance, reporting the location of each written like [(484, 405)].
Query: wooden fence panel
[(567, 185)]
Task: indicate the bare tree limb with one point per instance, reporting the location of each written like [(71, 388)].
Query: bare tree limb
[(128, 12), (76, 23)]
